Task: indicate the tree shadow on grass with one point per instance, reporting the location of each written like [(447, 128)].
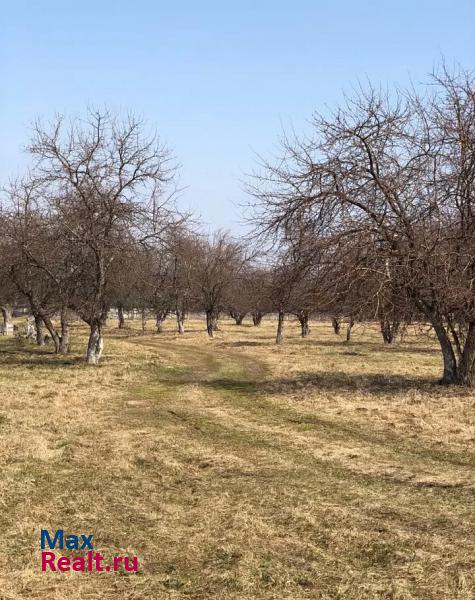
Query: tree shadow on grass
[(227, 384), (29, 359), (340, 381), (247, 344), (377, 384), (339, 346), (372, 346), (385, 388)]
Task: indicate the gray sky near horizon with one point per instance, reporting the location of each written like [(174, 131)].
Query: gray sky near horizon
[(218, 80)]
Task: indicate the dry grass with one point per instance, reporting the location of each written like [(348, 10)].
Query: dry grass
[(235, 469)]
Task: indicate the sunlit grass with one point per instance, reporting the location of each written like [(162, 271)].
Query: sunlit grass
[(237, 469)]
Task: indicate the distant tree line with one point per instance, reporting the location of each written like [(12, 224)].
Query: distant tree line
[(370, 217)]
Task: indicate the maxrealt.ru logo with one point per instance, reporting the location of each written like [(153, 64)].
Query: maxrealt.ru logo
[(91, 561)]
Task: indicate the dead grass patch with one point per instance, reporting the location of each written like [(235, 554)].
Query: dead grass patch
[(238, 470)]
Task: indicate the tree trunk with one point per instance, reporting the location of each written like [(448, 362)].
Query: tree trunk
[(95, 344), (303, 319), (209, 323), (280, 328), (180, 321), (64, 345), (389, 330), (120, 316), (462, 373), (402, 332), (450, 362), (257, 317), (159, 323), (349, 327), (143, 317), (466, 366), (30, 329), (52, 331), (40, 338), (336, 325), (238, 317), (7, 320)]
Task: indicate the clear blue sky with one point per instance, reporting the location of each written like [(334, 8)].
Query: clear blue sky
[(218, 79)]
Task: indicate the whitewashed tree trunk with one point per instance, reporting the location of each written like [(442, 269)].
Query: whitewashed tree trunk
[(7, 328), (95, 344), (180, 321)]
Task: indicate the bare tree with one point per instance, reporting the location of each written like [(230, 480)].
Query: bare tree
[(396, 174), (183, 246), (37, 263), (102, 178), (286, 291), (258, 280), (218, 262)]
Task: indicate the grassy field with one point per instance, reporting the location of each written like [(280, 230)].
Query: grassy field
[(237, 469)]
